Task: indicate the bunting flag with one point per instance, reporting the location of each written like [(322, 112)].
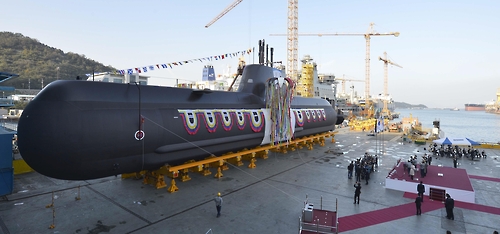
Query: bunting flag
[(380, 125), (279, 94), (141, 69)]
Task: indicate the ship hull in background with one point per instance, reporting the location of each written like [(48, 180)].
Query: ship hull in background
[(475, 107)]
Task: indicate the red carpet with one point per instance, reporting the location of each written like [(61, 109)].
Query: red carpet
[(366, 219), (464, 205), (484, 178)]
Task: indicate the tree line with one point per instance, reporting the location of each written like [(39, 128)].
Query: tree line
[(37, 63)]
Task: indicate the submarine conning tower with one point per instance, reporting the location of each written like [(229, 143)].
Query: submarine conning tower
[(254, 79)]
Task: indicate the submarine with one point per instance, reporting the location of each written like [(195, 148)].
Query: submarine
[(82, 130)]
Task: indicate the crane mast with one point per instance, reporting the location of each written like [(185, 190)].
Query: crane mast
[(385, 110), (292, 40)]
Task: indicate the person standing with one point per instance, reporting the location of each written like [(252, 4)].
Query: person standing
[(418, 203), (357, 192), (367, 175), (421, 190), (218, 203), (358, 172), (412, 171), (350, 168), (449, 204), (455, 162)]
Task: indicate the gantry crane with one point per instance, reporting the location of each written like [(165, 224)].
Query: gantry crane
[(367, 36), (385, 110)]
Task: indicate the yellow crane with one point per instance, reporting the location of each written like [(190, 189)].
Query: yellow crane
[(367, 36), (385, 110)]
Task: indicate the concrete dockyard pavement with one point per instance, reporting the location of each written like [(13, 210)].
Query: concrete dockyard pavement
[(266, 199)]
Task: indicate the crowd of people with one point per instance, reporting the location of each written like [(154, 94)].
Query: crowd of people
[(412, 166), (456, 151), (363, 167)]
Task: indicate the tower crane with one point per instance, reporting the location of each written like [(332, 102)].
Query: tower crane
[(343, 80), (385, 110), (225, 11), (292, 35), (367, 36)]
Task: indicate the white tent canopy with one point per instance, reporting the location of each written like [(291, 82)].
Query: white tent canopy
[(455, 141)]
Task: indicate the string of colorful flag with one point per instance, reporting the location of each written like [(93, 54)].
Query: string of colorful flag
[(180, 63)]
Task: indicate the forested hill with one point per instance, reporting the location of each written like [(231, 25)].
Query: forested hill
[(404, 105), (34, 61)]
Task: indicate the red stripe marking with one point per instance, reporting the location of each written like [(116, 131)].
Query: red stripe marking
[(484, 178)]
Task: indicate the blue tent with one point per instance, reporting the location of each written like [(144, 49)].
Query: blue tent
[(455, 141)]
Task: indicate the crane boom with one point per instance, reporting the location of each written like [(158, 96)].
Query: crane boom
[(343, 80), (225, 11), (367, 36)]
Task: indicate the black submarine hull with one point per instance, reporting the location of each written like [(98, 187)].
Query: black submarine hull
[(80, 130)]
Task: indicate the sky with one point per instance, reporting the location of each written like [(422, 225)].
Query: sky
[(449, 50)]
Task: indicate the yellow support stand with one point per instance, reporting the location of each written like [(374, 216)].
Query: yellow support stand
[(218, 175), (236, 161), (252, 163), (263, 154), (160, 182), (173, 187), (206, 170), (184, 175), (225, 166)]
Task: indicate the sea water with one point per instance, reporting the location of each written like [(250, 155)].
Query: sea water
[(476, 125)]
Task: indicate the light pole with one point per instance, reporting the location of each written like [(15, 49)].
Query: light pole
[(57, 69)]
